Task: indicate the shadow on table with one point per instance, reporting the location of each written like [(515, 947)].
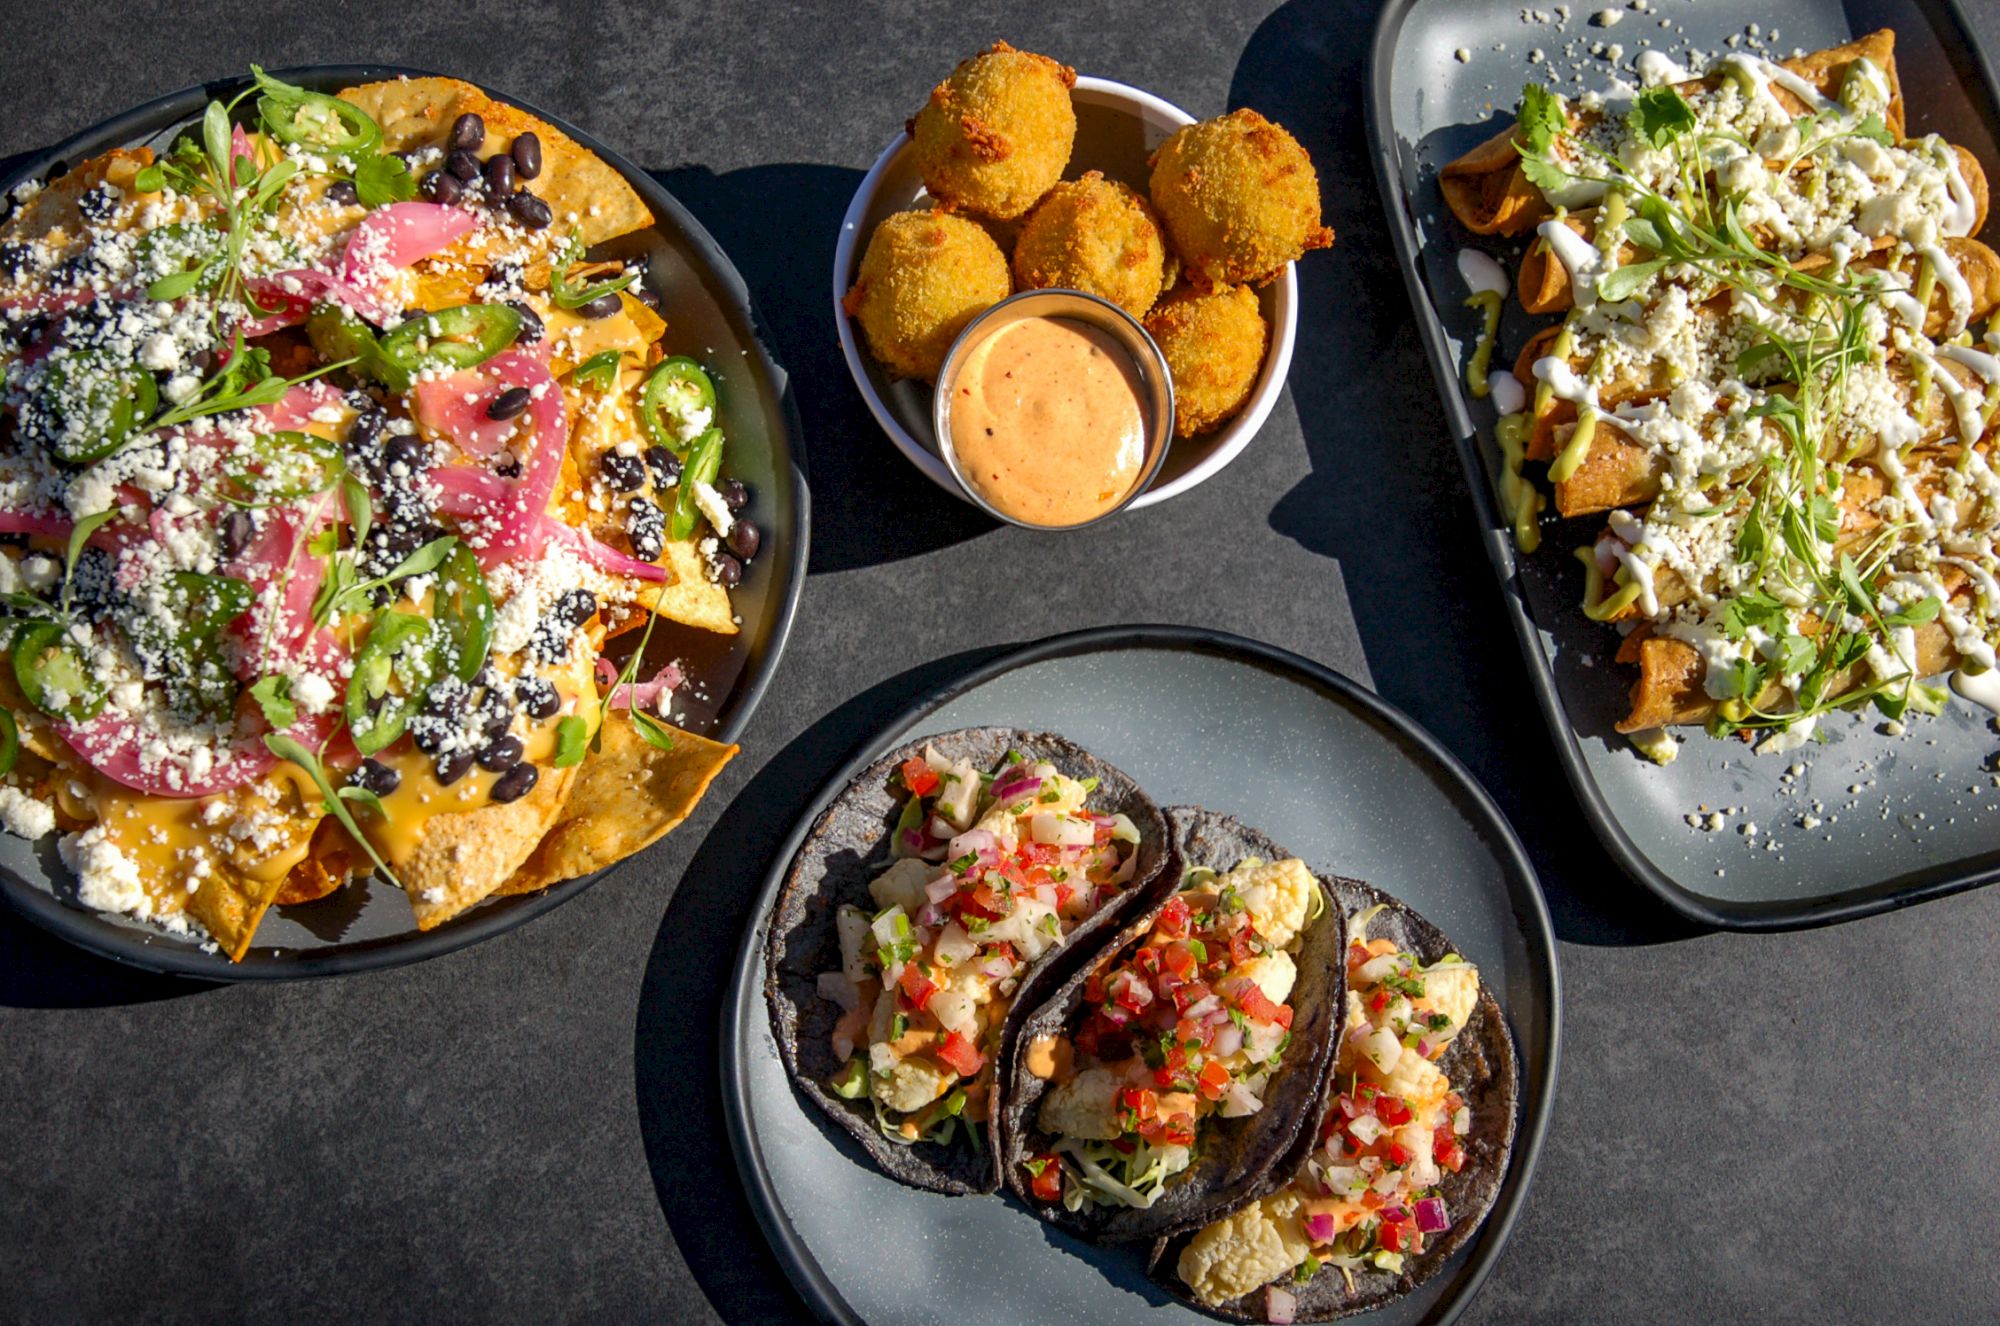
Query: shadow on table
[(676, 1042), (38, 970), (1386, 496), (779, 225)]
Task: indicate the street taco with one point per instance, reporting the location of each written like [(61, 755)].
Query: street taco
[(1175, 1075), (1409, 1157), (950, 882)]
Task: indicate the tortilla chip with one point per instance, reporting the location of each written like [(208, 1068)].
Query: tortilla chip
[(630, 795), (580, 188), (692, 599), (52, 215), (466, 855), (574, 338)]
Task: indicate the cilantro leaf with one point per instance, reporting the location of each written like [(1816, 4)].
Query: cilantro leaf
[(1540, 120), (273, 695), (1624, 282), (382, 179), (1916, 614), (1544, 175), (1659, 116), (1875, 131)]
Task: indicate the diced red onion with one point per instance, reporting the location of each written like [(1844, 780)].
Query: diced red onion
[(1392, 1214), (1017, 787), (930, 915), (980, 842), (1116, 1015), (1424, 1046), (1319, 1227), (1280, 1307), (941, 888), (1431, 1217), (1227, 1042)]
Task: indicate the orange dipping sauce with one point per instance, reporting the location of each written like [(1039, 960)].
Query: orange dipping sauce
[(1048, 420)]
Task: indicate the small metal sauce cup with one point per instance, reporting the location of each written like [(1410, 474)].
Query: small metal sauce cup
[(1155, 384)]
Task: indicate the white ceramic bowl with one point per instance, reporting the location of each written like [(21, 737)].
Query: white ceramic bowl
[(1117, 128)]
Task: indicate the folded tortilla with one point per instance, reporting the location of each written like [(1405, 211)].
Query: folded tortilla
[(847, 848), (1483, 1068), (1236, 1160), (1488, 192)]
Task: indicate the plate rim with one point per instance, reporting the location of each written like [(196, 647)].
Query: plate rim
[(1756, 916), (138, 949), (1271, 380), (809, 1280)]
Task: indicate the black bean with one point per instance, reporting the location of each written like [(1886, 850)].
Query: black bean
[(624, 473), (468, 131), (16, 257), (368, 426), (516, 783), (503, 272), (574, 608), (531, 323), (728, 571), (601, 307), (98, 202), (237, 530), (375, 776), (538, 697), (341, 193), (527, 154), (530, 211), (464, 165), (666, 466), (452, 765), (442, 187), (734, 495), (500, 754), (643, 294), (509, 468), (646, 526), (745, 539), (499, 177), (509, 404), (75, 270), (408, 456)]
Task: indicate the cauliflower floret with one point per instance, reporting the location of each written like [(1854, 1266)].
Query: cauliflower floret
[(1023, 927), (1069, 793), (1084, 1107), (1419, 1138), (960, 793), (857, 942), (910, 1084), (902, 885), (1274, 973), (883, 1020), (1452, 991), (1245, 1251), (1000, 822), (1277, 894), (1418, 1081)]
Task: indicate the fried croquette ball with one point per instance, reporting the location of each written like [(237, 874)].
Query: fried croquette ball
[(925, 275), (1098, 236), (1214, 344), (996, 134), (1239, 199)]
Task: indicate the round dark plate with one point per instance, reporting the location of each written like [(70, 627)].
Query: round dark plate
[(1286, 745), (368, 925)]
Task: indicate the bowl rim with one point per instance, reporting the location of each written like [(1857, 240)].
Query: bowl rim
[(1160, 430), (1222, 447)]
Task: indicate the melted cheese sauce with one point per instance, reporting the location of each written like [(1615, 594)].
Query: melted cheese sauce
[(1049, 422)]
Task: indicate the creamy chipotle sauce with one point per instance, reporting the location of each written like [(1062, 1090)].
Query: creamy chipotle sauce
[(1048, 421)]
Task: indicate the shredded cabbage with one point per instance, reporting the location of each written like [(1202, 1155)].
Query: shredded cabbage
[(1146, 1172)]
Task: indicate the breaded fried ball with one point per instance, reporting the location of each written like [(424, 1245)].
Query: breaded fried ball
[(1214, 343), (925, 275), (997, 133), (1239, 199), (1098, 236)]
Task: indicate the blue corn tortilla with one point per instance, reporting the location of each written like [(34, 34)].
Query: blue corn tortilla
[(848, 847)]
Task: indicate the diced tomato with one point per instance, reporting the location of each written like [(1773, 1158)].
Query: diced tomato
[(1063, 894), (1187, 996), (1392, 1236), (1147, 959), (1129, 992), (1239, 948), (1379, 1002), (961, 1054), (1258, 1005), (1178, 1130), (1452, 1101), (915, 987), (1392, 1111), (1011, 871), (1101, 836), (1214, 1080), (1179, 959), (1037, 854), (1444, 1144), (1357, 954), (1191, 1029), (919, 777), (1371, 1200), (1124, 1146), (1046, 1183), (1173, 919), (1143, 1103), (1172, 1065), (1399, 1154)]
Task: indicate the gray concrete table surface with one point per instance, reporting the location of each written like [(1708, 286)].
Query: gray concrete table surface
[(1788, 1127)]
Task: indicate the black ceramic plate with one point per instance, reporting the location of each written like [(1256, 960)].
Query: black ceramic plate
[(368, 926), (1894, 819), (1196, 717)]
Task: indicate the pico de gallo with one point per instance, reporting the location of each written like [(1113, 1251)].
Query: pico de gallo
[(1190, 1022), (1366, 1196), (992, 871), (319, 499)]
